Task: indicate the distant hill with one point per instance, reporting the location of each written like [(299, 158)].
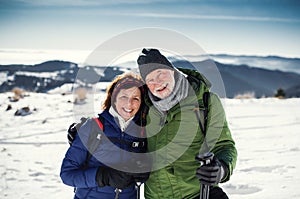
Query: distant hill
[(262, 82), (293, 91), (266, 62), (52, 74), (238, 79)]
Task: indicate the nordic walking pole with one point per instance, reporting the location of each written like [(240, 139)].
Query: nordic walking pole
[(138, 190), (204, 159)]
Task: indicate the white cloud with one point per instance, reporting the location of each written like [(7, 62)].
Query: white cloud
[(87, 2), (212, 17), (30, 56)]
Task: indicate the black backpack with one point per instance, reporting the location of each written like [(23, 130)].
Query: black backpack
[(96, 136), (93, 140)]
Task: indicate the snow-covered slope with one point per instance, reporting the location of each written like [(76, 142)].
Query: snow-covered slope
[(32, 147)]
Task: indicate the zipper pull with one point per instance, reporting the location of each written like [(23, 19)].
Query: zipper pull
[(117, 191)]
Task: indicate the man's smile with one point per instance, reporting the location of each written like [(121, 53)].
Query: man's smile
[(162, 87)]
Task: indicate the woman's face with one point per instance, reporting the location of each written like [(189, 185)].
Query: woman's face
[(161, 82), (128, 102)]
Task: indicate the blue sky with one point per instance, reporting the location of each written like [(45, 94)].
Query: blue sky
[(241, 27)]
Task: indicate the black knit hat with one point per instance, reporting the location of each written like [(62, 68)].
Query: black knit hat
[(151, 60)]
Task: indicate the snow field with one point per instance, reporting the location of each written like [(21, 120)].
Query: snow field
[(32, 147)]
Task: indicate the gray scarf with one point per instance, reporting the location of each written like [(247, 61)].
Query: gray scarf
[(180, 92)]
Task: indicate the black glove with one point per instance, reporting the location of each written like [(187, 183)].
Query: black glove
[(111, 177), (73, 128), (141, 177), (212, 173), (141, 167)]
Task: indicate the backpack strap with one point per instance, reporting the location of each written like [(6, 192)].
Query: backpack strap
[(206, 96), (99, 123), (93, 140), (203, 126)]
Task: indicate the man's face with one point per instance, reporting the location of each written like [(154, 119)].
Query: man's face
[(161, 82)]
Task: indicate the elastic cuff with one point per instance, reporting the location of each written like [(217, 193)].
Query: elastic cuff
[(224, 171), (99, 177)]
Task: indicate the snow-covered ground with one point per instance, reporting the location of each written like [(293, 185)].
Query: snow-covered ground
[(266, 132)]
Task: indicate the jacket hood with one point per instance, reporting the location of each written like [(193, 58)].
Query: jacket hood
[(197, 80)]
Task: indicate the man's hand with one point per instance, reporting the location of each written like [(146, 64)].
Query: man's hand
[(73, 128), (141, 177), (212, 173)]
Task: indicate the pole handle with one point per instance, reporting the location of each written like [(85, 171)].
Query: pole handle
[(204, 159)]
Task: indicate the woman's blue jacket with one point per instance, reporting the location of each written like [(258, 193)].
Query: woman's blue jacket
[(112, 151)]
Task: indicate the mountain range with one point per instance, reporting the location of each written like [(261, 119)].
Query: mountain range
[(237, 78)]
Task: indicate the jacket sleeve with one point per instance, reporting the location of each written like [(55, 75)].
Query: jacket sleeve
[(219, 137), (71, 172)]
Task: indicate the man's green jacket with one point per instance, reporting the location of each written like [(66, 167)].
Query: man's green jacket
[(175, 139)]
